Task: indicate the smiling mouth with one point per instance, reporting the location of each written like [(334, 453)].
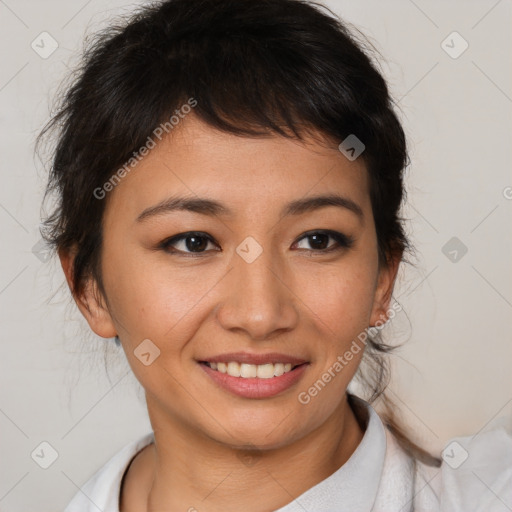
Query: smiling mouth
[(248, 371)]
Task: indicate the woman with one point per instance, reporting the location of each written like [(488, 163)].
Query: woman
[(229, 177)]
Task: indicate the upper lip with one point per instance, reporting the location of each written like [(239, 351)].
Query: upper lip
[(248, 358)]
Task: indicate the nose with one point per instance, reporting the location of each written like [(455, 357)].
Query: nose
[(258, 300)]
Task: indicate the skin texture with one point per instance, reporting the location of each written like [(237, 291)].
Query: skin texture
[(293, 299)]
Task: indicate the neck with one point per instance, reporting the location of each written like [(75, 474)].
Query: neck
[(186, 471)]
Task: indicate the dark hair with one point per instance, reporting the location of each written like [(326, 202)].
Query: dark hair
[(288, 67)]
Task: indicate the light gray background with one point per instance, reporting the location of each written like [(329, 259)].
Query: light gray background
[(451, 378)]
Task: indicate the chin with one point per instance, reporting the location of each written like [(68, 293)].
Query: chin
[(260, 432)]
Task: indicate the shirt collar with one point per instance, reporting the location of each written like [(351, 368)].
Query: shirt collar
[(354, 486)]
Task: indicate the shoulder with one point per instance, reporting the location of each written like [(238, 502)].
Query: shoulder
[(103, 488), (475, 474)]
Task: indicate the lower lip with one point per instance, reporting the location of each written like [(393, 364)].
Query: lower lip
[(254, 387)]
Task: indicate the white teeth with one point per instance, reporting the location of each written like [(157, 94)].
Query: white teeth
[(278, 369), (233, 369), (246, 371), (265, 371)]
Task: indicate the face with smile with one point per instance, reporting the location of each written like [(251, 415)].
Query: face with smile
[(226, 249)]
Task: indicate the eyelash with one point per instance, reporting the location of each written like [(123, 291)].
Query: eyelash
[(343, 242)]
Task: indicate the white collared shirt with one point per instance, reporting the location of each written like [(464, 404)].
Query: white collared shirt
[(378, 477)]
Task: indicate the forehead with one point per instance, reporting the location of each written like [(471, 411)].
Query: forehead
[(250, 174)]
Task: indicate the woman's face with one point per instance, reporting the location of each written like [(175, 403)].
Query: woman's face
[(264, 275)]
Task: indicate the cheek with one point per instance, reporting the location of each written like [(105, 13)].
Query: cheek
[(152, 299), (341, 301), (342, 298)]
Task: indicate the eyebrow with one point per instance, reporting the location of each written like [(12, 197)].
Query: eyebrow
[(213, 208)]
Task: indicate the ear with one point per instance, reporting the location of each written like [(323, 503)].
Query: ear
[(90, 301), (384, 288)]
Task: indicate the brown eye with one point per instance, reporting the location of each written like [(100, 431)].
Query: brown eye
[(192, 242), (318, 241)]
